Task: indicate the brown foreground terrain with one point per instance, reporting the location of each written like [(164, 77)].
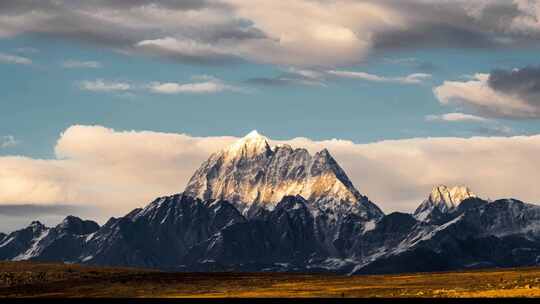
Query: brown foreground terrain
[(30, 279)]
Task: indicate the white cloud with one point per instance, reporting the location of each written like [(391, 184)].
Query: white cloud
[(203, 84), (457, 117), (8, 141), (313, 32), (489, 127), (76, 64), (204, 87), (415, 78), (479, 96), (100, 85), (14, 59), (186, 48), (118, 171)]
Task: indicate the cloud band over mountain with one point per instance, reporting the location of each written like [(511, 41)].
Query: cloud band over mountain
[(116, 171)]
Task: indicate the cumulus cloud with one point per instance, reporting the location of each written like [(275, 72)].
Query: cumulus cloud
[(415, 78), (510, 94), (77, 64), (8, 141), (456, 117), (14, 59), (303, 32), (100, 85), (116, 171)]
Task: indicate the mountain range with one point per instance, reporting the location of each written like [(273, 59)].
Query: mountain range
[(253, 207)]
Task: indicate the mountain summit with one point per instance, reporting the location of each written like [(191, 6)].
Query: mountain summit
[(250, 145), (442, 200), (251, 174)]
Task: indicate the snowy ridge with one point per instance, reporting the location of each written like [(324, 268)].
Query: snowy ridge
[(441, 200)]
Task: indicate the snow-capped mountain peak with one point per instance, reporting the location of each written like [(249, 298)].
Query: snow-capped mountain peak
[(441, 200), (449, 197), (250, 145), (250, 172)]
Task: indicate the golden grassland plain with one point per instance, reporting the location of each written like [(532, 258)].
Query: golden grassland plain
[(33, 279)]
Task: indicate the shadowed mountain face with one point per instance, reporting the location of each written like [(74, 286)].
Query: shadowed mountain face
[(252, 207)]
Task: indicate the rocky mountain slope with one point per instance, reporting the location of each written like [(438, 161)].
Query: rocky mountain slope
[(252, 207)]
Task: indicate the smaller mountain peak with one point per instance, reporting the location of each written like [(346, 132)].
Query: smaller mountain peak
[(442, 199), (70, 220), (324, 159), (324, 154), (36, 224), (77, 225), (283, 146), (449, 197)]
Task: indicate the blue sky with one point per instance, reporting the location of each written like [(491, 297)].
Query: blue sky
[(451, 81), (43, 99)]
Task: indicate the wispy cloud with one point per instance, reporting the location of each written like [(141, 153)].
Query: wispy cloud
[(421, 65), (8, 141), (100, 85), (487, 126), (292, 76), (202, 84), (27, 50), (76, 64), (457, 117), (188, 50), (495, 130), (205, 87), (296, 76), (14, 59), (415, 78)]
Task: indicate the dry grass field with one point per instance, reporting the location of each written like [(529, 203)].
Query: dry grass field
[(30, 279)]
